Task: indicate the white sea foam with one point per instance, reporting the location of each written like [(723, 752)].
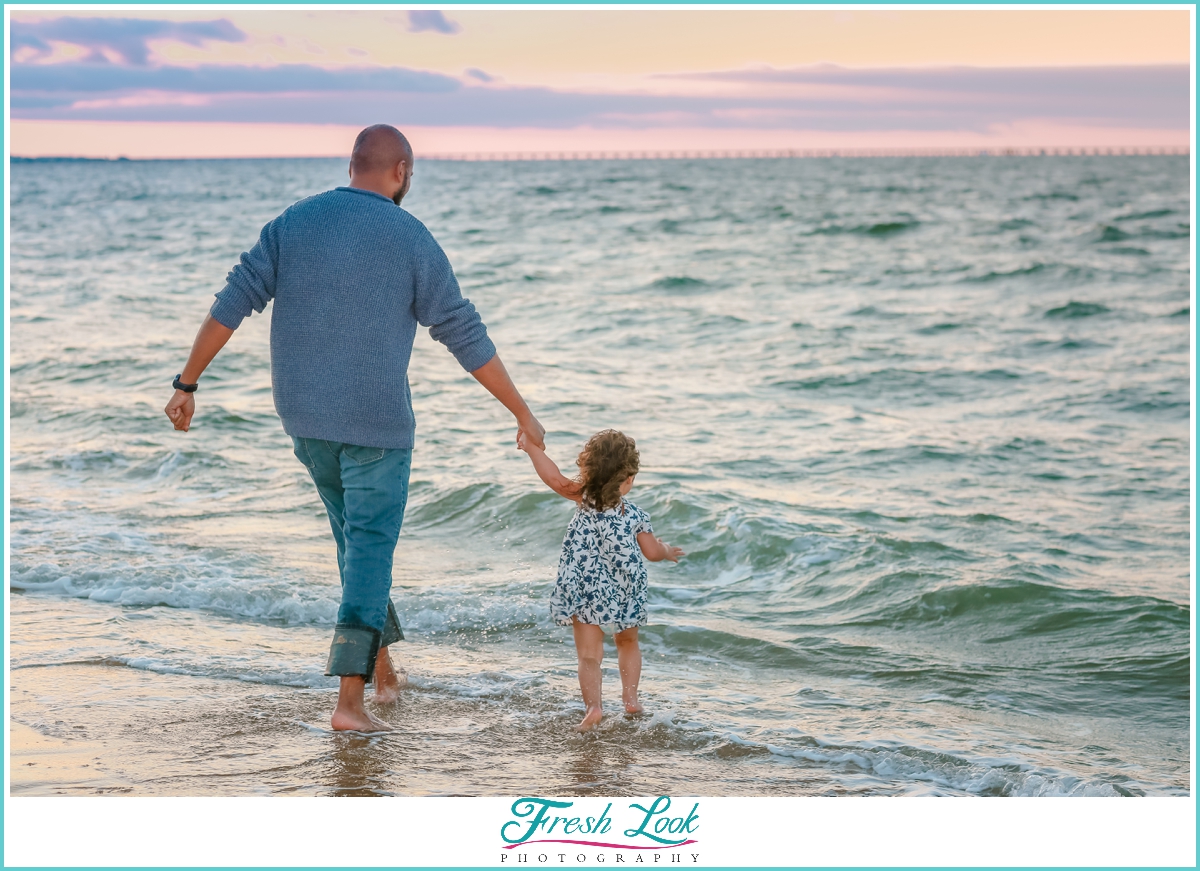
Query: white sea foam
[(189, 583), (955, 774)]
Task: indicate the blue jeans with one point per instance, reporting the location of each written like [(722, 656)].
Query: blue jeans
[(364, 491)]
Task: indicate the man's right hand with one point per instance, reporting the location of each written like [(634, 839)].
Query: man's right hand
[(531, 432), (180, 410)]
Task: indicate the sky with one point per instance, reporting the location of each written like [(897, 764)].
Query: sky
[(212, 82)]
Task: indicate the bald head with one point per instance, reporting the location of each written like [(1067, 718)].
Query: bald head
[(378, 149), (382, 161)]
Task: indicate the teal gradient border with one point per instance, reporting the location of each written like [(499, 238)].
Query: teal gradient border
[(4, 379)]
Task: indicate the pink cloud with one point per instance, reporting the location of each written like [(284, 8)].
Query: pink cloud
[(150, 140)]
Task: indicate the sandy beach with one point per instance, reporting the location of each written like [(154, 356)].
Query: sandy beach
[(102, 727)]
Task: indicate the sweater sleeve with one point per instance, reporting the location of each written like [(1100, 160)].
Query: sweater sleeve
[(440, 305), (251, 284)]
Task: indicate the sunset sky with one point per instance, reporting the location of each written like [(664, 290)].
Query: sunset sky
[(233, 82)]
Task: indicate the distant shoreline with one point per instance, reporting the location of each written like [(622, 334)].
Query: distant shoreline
[(771, 154)]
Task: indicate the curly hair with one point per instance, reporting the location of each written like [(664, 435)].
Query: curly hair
[(606, 461)]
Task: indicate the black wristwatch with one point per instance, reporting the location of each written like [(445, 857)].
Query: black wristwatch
[(179, 385)]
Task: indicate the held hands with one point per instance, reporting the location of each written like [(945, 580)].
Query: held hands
[(180, 410), (530, 432)]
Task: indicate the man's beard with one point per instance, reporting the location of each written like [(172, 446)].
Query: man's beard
[(401, 191)]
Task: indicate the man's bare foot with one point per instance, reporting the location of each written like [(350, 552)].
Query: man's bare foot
[(351, 715), (365, 721), (388, 680), (590, 719), (634, 707)]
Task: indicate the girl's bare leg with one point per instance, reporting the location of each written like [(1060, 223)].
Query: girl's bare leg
[(589, 647), (629, 661)]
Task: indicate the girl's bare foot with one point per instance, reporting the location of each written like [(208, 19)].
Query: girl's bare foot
[(590, 719), (388, 680), (634, 707)]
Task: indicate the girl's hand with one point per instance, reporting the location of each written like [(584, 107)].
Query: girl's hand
[(656, 550), (669, 552), (523, 441)]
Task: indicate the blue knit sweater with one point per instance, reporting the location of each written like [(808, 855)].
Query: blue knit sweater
[(351, 275)]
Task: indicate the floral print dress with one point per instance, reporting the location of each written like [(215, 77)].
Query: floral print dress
[(601, 573)]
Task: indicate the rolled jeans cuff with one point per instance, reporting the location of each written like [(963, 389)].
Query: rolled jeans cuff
[(353, 652), (391, 627)]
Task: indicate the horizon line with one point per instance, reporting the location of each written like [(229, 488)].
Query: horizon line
[(675, 154)]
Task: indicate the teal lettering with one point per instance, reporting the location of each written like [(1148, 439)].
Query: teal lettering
[(550, 831), (692, 817), (525, 807), (571, 826), (660, 806), (603, 823)]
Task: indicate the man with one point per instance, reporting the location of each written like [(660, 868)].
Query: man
[(351, 276)]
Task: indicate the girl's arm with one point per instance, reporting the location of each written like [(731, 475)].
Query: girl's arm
[(657, 550), (548, 471)]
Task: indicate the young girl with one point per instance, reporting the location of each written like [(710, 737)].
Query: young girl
[(601, 577)]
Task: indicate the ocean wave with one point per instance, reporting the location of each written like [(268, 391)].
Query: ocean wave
[(207, 668), (679, 284), (1077, 310), (196, 582), (996, 275), (878, 229), (1109, 233), (1145, 216), (904, 765)]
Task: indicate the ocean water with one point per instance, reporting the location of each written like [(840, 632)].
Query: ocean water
[(921, 425)]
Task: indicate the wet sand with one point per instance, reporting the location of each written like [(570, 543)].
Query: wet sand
[(138, 733), (104, 727)]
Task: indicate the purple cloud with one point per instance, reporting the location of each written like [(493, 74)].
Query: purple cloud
[(480, 75), (431, 19), (963, 99), (79, 79), (1095, 84), (125, 37)]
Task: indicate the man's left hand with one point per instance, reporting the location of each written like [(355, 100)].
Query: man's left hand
[(180, 410)]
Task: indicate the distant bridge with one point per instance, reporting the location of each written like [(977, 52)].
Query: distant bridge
[(777, 153)]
